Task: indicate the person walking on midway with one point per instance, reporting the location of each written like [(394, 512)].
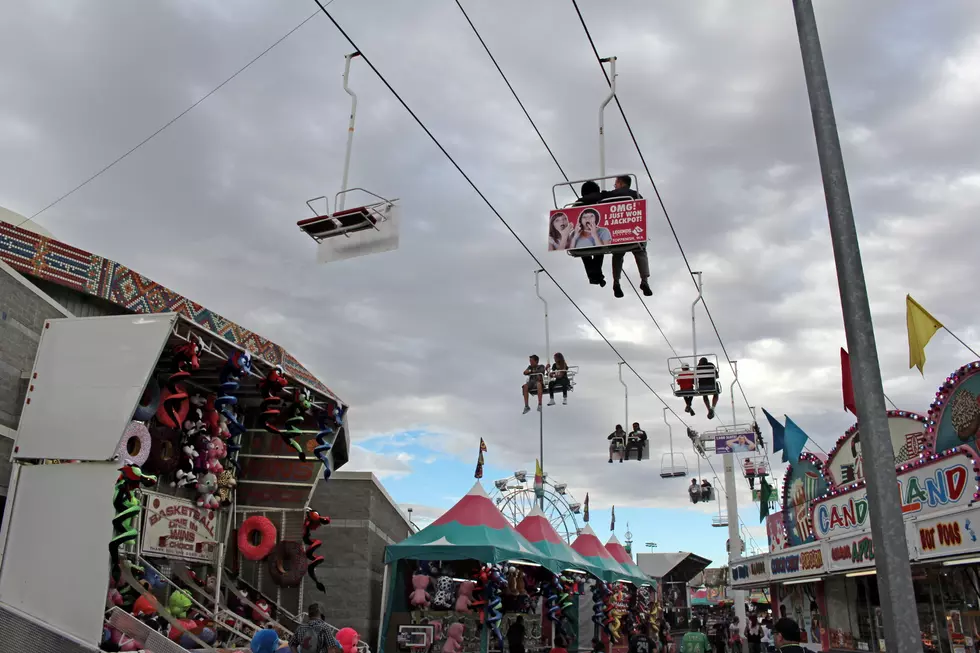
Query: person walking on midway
[(515, 636), (787, 636), (314, 636), (695, 641)]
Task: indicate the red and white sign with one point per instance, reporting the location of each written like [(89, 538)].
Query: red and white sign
[(598, 225), (776, 532), (176, 528)]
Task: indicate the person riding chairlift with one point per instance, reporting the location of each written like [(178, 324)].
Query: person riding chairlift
[(622, 190), (617, 443), (694, 490), (707, 373), (635, 441), (591, 194), (705, 490), (535, 378), (685, 381), (559, 379)]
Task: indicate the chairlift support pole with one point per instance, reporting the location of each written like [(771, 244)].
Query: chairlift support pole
[(731, 391), (547, 353), (350, 129), (694, 329), (602, 123), (734, 537), (626, 397)]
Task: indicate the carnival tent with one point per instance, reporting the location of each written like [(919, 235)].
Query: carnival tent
[(473, 529), (620, 555), (539, 532), (587, 545)]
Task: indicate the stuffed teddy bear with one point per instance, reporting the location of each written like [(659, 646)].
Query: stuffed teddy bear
[(217, 452), (465, 597), (420, 598), (454, 639), (206, 487)]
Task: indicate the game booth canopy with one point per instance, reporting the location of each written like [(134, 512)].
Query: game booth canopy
[(461, 581)]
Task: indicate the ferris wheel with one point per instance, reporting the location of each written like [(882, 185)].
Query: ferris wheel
[(514, 497)]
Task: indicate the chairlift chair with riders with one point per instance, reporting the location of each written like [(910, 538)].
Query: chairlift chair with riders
[(692, 378), (755, 467), (348, 233), (617, 223), (672, 465), (641, 447)]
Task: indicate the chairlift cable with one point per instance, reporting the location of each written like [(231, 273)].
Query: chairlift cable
[(490, 205), (168, 124), (527, 115)]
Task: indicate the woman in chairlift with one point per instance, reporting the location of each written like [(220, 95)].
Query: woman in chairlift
[(707, 374), (617, 443), (559, 379), (705, 490)]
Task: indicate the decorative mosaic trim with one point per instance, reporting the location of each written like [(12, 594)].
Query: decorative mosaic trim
[(57, 262)]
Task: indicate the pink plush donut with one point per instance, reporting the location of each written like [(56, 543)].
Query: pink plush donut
[(134, 446)]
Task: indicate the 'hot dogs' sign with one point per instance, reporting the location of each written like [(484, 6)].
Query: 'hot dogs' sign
[(176, 528)]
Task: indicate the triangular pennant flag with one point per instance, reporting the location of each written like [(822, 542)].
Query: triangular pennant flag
[(612, 521), (847, 384), (795, 441), (585, 512), (479, 460), (538, 480), (778, 433), (921, 326)]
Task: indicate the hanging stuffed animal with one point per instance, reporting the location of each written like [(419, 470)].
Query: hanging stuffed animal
[(207, 484), (454, 639), (226, 483), (465, 596), (419, 597), (495, 585), (180, 602), (348, 639), (216, 453), (444, 596)]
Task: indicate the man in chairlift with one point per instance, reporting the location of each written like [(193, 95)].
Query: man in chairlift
[(707, 375), (591, 194), (617, 443), (623, 191), (635, 441), (685, 382), (535, 378), (705, 490)]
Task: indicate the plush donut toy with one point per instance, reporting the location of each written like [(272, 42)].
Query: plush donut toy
[(287, 564), (134, 446), (256, 538)]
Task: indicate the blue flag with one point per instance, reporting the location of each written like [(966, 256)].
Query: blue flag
[(778, 433), (795, 441)]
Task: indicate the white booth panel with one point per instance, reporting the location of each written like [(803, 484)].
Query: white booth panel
[(88, 377), (56, 562)]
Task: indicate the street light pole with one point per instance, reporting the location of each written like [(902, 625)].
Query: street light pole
[(901, 619)]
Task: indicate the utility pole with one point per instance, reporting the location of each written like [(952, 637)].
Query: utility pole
[(734, 537), (894, 577)]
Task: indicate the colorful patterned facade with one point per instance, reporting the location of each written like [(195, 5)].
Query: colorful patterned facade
[(54, 261)]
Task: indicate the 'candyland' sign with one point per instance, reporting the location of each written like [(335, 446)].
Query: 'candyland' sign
[(940, 484)]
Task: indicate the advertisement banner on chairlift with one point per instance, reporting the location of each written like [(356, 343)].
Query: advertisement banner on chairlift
[(734, 442), (176, 528), (598, 225)]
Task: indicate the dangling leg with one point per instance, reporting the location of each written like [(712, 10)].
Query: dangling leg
[(566, 384), (551, 392), (612, 449), (687, 405), (527, 408), (540, 393), (707, 404), (643, 267), (617, 266)]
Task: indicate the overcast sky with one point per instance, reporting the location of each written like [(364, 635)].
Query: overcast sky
[(427, 343)]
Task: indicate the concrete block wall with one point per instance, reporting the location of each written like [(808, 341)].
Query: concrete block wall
[(23, 311), (364, 519)]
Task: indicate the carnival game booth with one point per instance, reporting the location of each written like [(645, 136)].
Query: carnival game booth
[(183, 467), (622, 604), (457, 584), (821, 563), (578, 633)]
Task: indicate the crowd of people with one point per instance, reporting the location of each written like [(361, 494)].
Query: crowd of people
[(760, 636)]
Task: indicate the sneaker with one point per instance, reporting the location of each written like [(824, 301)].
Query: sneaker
[(551, 403), (539, 408), (617, 290), (610, 460), (620, 460), (689, 410), (711, 413), (564, 401), (602, 283), (527, 409), (645, 287)]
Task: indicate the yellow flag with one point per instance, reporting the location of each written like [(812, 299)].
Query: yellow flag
[(922, 326)]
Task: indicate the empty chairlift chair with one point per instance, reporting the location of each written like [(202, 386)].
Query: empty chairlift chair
[(672, 465)]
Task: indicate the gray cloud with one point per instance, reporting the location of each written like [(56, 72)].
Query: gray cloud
[(436, 334)]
